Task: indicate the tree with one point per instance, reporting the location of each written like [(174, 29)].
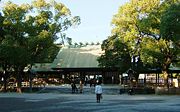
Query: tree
[(30, 33), (13, 50), (116, 54), (127, 24), (137, 24), (128, 27), (164, 51), (170, 29), (1, 30)]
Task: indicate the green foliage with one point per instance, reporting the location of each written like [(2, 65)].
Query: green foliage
[(138, 24), (30, 30), (13, 56), (35, 27), (130, 23), (153, 52), (1, 29), (170, 30), (116, 54), (170, 24)]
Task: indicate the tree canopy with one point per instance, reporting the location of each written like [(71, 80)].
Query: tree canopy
[(116, 54), (30, 30), (150, 30)]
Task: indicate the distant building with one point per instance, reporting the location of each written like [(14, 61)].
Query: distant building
[(78, 62)]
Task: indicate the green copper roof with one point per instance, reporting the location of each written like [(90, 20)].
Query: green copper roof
[(78, 57), (42, 67)]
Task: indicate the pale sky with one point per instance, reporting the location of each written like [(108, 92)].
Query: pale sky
[(96, 16)]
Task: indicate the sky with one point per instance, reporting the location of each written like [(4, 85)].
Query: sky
[(96, 16)]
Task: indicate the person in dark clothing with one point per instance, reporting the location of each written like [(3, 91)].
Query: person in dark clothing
[(73, 86), (131, 91)]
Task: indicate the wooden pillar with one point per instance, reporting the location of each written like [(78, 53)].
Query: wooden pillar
[(120, 77), (156, 79), (145, 80), (103, 77), (178, 79), (30, 82), (172, 84)]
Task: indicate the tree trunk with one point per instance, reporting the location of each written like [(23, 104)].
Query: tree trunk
[(136, 78), (5, 83), (165, 76), (165, 69), (30, 82), (19, 81)]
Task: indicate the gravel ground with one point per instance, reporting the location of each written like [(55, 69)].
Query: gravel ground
[(51, 102)]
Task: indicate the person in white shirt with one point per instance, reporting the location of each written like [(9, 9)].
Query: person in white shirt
[(98, 92)]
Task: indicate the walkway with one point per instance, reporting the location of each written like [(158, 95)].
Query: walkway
[(66, 89)]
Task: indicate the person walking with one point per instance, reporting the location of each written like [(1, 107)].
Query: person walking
[(98, 92)]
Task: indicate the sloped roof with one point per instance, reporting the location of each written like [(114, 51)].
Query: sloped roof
[(81, 57), (42, 67), (77, 57)]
